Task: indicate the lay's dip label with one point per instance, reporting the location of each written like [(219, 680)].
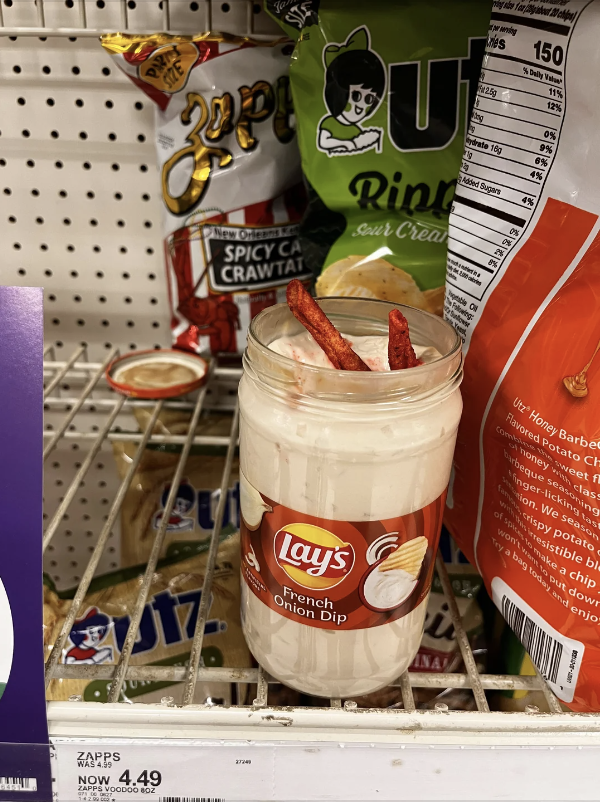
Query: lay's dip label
[(337, 574)]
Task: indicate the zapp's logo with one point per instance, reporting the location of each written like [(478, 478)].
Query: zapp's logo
[(313, 557)]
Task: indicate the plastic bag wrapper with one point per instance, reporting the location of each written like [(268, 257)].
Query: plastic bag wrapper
[(382, 93), (439, 652), (231, 185), (166, 628), (192, 517), (524, 501)]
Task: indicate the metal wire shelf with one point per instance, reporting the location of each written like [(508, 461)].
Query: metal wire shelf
[(91, 378)]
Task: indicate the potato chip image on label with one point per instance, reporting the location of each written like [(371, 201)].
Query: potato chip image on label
[(408, 557), (362, 277)]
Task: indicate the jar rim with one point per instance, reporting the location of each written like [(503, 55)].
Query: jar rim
[(361, 385)]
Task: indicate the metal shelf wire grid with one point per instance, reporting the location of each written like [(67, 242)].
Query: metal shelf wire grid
[(112, 407)]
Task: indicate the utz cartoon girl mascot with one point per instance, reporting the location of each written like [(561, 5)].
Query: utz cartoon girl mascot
[(86, 636), (354, 87)]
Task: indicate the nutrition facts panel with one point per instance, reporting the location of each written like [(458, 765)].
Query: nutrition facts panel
[(510, 146)]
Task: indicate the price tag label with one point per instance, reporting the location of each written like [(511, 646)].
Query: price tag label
[(163, 771)]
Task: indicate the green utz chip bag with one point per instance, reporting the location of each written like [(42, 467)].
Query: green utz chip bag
[(383, 93)]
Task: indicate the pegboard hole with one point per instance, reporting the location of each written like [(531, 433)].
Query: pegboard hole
[(225, 7), (125, 275), (54, 134), (99, 274), (66, 221), (16, 68), (100, 3), (138, 105), (109, 104), (141, 137), (22, 272), (12, 219), (143, 168), (17, 246), (97, 249), (26, 133), (75, 70), (112, 136), (71, 248), (106, 323), (102, 299), (150, 251), (127, 299), (21, 101), (63, 193), (115, 166), (87, 166), (93, 222), (131, 4), (130, 323), (7, 191), (121, 223), (8, 3), (44, 247), (151, 276), (39, 221), (194, 6), (105, 71), (69, 3), (77, 298), (79, 102), (91, 194), (35, 193), (83, 135), (46, 69), (123, 249), (59, 165), (48, 273), (50, 101), (118, 196), (30, 162)]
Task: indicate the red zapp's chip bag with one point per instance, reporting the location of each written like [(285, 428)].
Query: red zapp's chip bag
[(230, 177), (523, 287)]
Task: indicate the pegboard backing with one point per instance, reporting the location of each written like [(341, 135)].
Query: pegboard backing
[(80, 215), (79, 191)]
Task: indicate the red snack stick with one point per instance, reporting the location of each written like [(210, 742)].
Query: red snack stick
[(401, 354), (315, 321)]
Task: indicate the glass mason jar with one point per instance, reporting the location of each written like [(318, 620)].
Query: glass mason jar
[(343, 485)]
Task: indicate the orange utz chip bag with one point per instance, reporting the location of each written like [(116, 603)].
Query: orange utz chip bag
[(231, 184), (523, 289)]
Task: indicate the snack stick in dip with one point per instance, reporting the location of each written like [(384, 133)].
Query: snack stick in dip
[(309, 313), (401, 354)]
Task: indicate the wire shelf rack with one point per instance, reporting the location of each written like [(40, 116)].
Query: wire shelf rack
[(110, 408)]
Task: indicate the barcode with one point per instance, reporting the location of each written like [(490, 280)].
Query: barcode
[(18, 784), (557, 657), (545, 652), (191, 799)]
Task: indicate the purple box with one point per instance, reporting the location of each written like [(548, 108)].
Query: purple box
[(24, 746)]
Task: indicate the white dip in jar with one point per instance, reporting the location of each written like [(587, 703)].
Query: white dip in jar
[(343, 485)]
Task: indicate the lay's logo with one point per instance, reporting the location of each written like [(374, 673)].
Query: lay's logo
[(313, 557)]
